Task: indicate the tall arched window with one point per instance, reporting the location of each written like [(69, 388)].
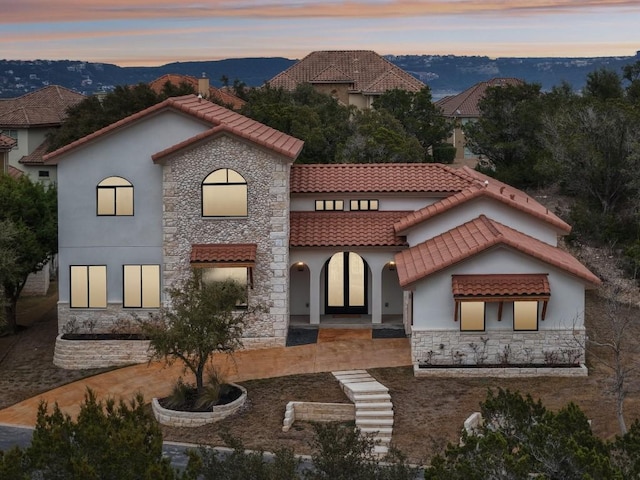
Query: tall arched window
[(115, 197), (224, 194)]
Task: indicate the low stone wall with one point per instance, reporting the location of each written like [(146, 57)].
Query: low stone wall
[(317, 412), (453, 347), (83, 354), (175, 418), (37, 283), (501, 372), (254, 343)]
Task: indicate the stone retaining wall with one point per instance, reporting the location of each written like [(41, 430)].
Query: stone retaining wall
[(500, 372), (453, 347), (83, 354), (175, 418), (317, 412)]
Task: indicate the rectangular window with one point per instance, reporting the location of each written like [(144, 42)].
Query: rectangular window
[(525, 315), (43, 173), (220, 274), (364, 204), (329, 205), (141, 285), (115, 200), (88, 286), (472, 316)]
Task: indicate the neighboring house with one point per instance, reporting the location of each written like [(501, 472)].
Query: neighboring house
[(454, 255), (201, 86), (463, 108), (353, 77), (6, 144), (28, 119)]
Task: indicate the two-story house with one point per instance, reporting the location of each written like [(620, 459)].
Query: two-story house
[(185, 184)]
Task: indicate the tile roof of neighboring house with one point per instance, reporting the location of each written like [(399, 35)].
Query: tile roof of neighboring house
[(221, 120), (344, 229), (35, 157), (500, 285), (365, 70), (473, 237), (465, 104), (14, 172), (487, 187), (6, 142), (381, 177), (216, 94), (43, 108), (224, 253)]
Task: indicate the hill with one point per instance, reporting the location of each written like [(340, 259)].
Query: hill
[(445, 74)]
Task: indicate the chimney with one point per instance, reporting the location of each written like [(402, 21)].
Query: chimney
[(203, 85)]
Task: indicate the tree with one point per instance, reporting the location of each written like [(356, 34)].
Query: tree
[(316, 118), (603, 84), (521, 439), (507, 134), (201, 320), (418, 115), (378, 138), (32, 210), (8, 258), (108, 441), (631, 73)]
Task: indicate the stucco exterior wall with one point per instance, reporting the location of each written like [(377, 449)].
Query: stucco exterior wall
[(85, 238), (267, 224), (493, 209)]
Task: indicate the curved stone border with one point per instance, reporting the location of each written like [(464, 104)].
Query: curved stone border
[(82, 354), (176, 418), (506, 372)]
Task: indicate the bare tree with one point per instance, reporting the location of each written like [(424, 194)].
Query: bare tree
[(614, 345)]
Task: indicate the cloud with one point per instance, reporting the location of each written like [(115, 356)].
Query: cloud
[(40, 11)]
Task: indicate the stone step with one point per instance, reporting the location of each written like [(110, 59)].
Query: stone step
[(371, 398), (381, 450), (374, 406), (348, 372), (373, 422), (380, 433), (367, 387), (373, 414)]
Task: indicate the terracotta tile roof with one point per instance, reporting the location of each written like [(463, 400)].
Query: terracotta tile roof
[(42, 108), (344, 229), (14, 172), (465, 104), (362, 68), (6, 142), (214, 93), (224, 253), (221, 120), (35, 157), (380, 177), (478, 235), (484, 186), (502, 285)]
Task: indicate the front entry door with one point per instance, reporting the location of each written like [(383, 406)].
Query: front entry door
[(346, 284)]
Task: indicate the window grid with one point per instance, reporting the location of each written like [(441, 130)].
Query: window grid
[(364, 205), (329, 205)]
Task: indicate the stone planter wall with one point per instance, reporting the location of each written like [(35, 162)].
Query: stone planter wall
[(83, 354), (501, 372), (317, 412), (175, 418)]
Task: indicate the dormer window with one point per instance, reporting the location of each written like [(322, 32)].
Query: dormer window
[(115, 197), (224, 194)]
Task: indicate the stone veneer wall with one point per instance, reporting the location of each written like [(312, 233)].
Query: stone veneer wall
[(113, 319), (82, 354), (452, 347), (317, 412), (267, 225)]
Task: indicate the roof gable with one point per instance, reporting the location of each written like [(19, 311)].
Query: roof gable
[(41, 108), (484, 186), (471, 238), (465, 104), (214, 93), (215, 115), (362, 67)]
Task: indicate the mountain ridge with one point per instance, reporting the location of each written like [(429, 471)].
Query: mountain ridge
[(445, 74)]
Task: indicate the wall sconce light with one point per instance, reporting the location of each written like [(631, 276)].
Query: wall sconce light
[(300, 266), (392, 266)]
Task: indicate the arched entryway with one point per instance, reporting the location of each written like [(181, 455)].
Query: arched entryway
[(346, 284)]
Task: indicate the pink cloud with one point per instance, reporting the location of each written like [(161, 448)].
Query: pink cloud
[(35, 11)]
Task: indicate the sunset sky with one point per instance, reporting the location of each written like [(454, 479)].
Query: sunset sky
[(145, 32)]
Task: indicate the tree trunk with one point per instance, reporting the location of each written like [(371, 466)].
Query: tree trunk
[(620, 413), (10, 314), (200, 378)]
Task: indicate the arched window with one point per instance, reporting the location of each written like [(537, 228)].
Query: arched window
[(224, 194), (115, 197)]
